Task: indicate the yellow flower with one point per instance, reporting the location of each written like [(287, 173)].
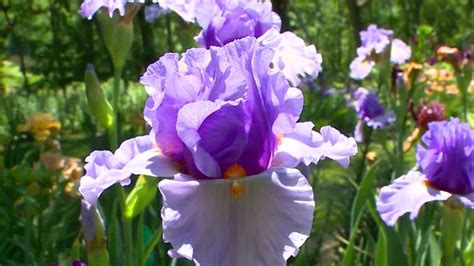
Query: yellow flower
[(41, 125), (446, 50), (410, 72), (371, 156), (439, 78)]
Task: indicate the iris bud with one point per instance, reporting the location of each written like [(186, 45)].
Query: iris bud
[(98, 104), (118, 37), (94, 235)]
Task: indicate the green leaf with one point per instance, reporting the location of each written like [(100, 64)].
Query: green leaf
[(381, 250), (435, 250), (142, 194), (363, 193)]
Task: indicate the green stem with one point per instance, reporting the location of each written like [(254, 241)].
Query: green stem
[(451, 229), (113, 132), (127, 229), (367, 133), (126, 223)]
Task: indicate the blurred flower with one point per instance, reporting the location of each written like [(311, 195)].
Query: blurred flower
[(361, 67), (439, 78), (428, 113), (74, 263), (447, 51), (371, 156), (370, 112), (224, 124), (410, 72), (225, 21), (291, 56), (71, 169), (186, 9), (408, 143), (90, 7), (374, 42), (446, 162), (78, 263), (41, 125), (400, 52), (153, 12), (375, 38)]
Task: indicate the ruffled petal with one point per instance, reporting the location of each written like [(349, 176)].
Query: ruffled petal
[(186, 8), (467, 200), (406, 194), (263, 225), (292, 57), (308, 146), (190, 118), (89, 7), (336, 146), (361, 67), (134, 156), (400, 52)]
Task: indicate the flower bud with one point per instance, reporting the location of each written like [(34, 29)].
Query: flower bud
[(98, 104), (94, 234), (118, 37)]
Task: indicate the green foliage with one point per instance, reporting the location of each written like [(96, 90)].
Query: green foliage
[(141, 195)]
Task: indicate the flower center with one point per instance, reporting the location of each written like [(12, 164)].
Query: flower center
[(235, 170), (236, 189)]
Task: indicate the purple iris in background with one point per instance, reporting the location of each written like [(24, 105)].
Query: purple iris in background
[(153, 12), (446, 168), (370, 112), (374, 42), (226, 21), (375, 38), (90, 7), (400, 52), (224, 125)]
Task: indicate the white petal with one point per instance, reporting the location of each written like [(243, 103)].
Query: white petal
[(265, 225), (308, 146), (406, 194), (292, 57)]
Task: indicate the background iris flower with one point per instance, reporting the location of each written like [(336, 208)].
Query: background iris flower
[(226, 21), (446, 168), (370, 112), (374, 42)]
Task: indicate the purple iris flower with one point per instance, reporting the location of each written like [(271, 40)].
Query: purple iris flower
[(375, 38), (224, 125), (153, 12), (90, 7), (228, 24), (446, 168), (374, 41), (226, 21), (400, 52), (361, 67), (370, 112), (186, 9)]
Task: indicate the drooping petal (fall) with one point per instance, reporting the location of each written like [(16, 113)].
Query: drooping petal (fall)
[(256, 220), (135, 156), (406, 194)]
